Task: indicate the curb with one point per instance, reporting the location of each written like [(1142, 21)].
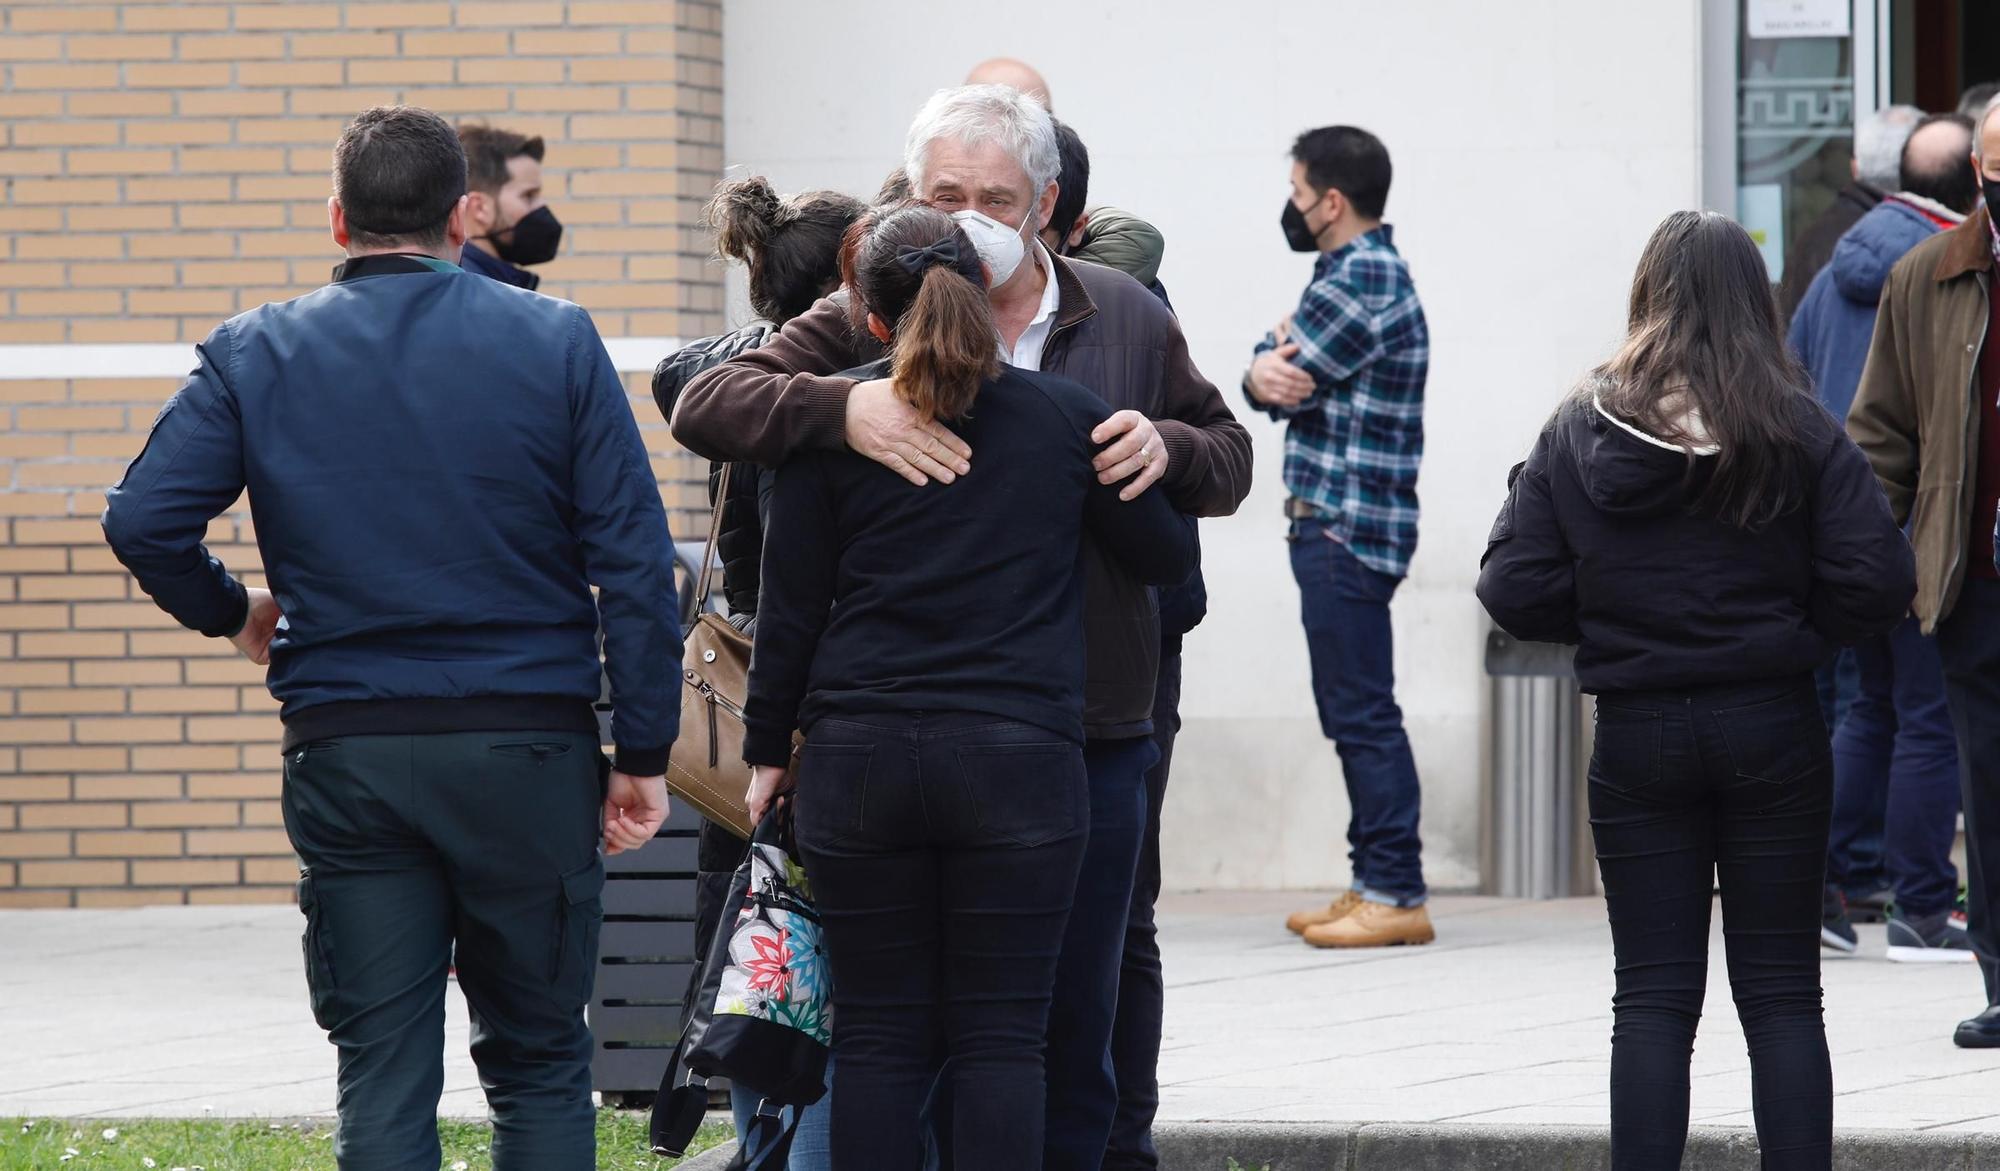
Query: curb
[(1386, 1146), (1208, 1146)]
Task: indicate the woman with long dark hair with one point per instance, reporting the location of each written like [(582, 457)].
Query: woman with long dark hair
[(1705, 533), (929, 640), (791, 247)]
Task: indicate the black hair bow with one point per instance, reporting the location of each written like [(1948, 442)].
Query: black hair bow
[(916, 260)]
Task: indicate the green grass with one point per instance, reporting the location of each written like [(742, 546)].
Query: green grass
[(127, 1145)]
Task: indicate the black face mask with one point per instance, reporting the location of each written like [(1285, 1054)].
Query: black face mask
[(534, 239), (1298, 233), (1992, 189)]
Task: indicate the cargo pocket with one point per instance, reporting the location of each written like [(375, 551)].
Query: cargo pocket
[(1771, 742), (317, 945), (1027, 794), (579, 921)]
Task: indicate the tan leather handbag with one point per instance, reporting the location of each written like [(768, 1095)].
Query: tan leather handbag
[(706, 766)]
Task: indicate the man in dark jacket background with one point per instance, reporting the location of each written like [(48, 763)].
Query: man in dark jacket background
[(440, 467), (1895, 792), (1878, 145), (1173, 430), (508, 221)]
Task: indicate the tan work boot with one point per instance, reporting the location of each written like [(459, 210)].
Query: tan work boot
[(1374, 925), (1338, 909)]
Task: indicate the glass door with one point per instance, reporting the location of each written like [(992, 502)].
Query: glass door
[(1796, 96)]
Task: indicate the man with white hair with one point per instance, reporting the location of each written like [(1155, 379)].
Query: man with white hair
[(1878, 153), (1927, 414), (988, 155)]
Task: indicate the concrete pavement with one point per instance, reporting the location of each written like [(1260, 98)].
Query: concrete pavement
[(1504, 1023)]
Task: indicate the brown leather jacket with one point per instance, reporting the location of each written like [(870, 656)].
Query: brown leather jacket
[(1916, 414), (1112, 336)]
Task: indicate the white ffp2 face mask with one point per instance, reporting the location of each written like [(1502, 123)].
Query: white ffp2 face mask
[(1000, 247)]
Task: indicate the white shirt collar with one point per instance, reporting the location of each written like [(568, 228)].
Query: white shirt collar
[(1027, 353)]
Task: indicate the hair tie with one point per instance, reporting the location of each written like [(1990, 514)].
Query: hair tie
[(916, 260)]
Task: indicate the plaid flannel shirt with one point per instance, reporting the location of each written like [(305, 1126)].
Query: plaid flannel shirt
[(1352, 448)]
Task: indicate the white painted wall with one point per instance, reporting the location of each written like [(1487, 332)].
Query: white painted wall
[(1536, 144)]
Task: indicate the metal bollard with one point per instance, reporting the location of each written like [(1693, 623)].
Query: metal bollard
[(1537, 825)]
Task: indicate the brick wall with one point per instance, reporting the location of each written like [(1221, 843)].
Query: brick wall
[(164, 166)]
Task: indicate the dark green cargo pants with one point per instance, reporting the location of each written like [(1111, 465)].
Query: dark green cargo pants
[(413, 844)]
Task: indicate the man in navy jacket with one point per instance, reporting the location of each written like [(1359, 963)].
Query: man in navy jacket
[(440, 468)]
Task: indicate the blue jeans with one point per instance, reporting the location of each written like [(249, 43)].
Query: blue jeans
[(1895, 759), (1345, 605), (1082, 1085), (812, 1144)]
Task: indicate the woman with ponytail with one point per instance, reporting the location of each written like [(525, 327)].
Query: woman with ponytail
[(929, 641), (1705, 533)]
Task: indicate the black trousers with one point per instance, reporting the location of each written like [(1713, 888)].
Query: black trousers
[(1735, 784), (943, 851), (411, 845), (1968, 641), (1142, 990)]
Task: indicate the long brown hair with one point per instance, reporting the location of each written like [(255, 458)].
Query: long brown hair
[(790, 243), (1703, 333), (912, 267)]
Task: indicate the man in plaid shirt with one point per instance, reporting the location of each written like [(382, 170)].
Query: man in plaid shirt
[(1346, 372)]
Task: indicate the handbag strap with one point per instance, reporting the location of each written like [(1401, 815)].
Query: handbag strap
[(766, 1144), (714, 534)]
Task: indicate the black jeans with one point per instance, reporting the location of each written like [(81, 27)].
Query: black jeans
[(1734, 783), (413, 843), (1142, 990), (1969, 643), (943, 851)]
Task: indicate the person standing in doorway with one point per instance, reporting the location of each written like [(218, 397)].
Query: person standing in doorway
[(511, 224), (441, 468), (1878, 144), (1346, 372), (1926, 416)]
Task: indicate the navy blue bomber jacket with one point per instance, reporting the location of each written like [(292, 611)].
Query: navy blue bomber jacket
[(439, 467)]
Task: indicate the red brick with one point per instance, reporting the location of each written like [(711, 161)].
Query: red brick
[(34, 789), (130, 898), (180, 758), (34, 845), (74, 815), (185, 872), (128, 730), (237, 842), (240, 895), (266, 785), (186, 814), (128, 788), (151, 843)]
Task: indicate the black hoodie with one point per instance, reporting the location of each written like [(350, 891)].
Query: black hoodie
[(1599, 544)]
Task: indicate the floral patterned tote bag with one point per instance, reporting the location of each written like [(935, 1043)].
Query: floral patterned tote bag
[(763, 1017)]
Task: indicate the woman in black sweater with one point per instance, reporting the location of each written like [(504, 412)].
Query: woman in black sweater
[(1706, 534), (929, 640)]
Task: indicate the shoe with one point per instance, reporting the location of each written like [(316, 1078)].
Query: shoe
[(1871, 906), (1932, 939), (1319, 916), (1981, 1032), (1836, 933), (1374, 925)]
